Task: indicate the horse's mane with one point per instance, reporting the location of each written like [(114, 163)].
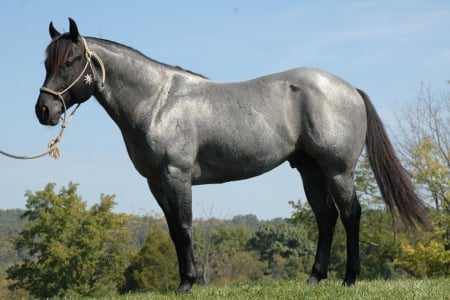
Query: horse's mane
[(60, 49), (148, 58)]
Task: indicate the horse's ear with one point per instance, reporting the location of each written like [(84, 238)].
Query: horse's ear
[(53, 32), (73, 30)]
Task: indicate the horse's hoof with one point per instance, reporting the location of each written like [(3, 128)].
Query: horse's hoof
[(313, 280), (184, 288), (349, 281)]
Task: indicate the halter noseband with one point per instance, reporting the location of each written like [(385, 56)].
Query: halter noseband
[(88, 54)]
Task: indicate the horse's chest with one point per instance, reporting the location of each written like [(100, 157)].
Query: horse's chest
[(145, 154)]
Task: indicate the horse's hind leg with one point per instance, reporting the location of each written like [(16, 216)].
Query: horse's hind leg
[(316, 190), (350, 211)]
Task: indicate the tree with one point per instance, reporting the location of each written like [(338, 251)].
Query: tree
[(154, 266), (203, 246), (428, 260), (250, 221), (230, 259), (221, 252), (425, 146), (282, 244), (379, 244), (69, 250)]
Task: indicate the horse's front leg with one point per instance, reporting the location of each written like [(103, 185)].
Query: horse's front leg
[(174, 195)]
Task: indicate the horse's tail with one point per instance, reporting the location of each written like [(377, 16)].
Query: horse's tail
[(393, 181)]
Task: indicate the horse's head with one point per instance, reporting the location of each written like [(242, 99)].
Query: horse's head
[(69, 79)]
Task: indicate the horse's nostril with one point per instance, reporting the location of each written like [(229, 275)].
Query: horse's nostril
[(42, 112)]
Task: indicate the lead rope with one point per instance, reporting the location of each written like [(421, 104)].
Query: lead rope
[(53, 147)]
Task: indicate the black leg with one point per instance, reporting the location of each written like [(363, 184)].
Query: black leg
[(316, 190), (175, 198), (350, 212), (351, 224), (326, 221)]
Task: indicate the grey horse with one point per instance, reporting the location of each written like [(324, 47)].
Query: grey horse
[(182, 129)]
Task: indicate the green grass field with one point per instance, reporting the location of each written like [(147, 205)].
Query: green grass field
[(435, 289)]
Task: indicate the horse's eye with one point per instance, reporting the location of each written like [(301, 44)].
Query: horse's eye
[(68, 63)]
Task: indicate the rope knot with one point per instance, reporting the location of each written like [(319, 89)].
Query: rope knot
[(53, 148)]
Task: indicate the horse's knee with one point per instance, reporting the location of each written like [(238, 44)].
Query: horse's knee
[(343, 190), (186, 232), (352, 215)]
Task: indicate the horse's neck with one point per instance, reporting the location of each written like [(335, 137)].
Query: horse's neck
[(131, 79)]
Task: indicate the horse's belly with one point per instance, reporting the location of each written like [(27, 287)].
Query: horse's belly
[(217, 164), (206, 174)]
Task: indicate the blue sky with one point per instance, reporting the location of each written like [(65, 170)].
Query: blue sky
[(386, 48)]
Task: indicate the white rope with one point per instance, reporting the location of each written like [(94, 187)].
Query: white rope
[(53, 147)]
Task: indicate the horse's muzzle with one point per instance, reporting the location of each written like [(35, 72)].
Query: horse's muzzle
[(47, 115)]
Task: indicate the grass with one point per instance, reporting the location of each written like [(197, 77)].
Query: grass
[(329, 289)]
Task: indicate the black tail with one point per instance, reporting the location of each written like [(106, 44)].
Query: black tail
[(393, 181)]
